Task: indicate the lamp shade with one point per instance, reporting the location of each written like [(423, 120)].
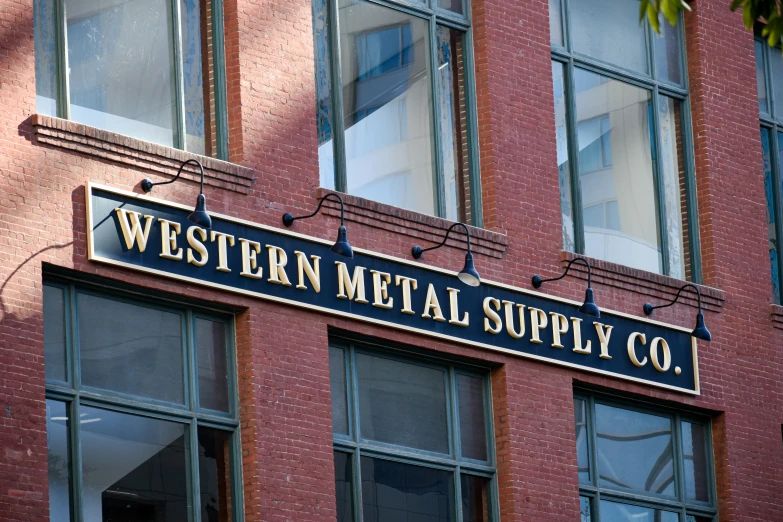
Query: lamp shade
[(468, 274), (199, 215), (589, 307), (341, 246), (701, 332)]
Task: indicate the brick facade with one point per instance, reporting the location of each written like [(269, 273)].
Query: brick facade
[(282, 351)]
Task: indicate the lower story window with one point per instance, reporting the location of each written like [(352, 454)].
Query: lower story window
[(120, 446), (642, 465), (412, 439)]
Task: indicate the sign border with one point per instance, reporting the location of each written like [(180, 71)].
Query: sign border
[(91, 256)]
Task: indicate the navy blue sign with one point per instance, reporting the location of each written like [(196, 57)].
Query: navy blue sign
[(153, 236)]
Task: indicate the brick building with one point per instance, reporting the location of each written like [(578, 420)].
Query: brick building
[(219, 377)]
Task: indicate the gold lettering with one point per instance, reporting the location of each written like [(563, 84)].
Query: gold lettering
[(380, 287), (667, 354), (559, 327), (431, 303), (313, 272), (168, 236), (632, 348), (277, 261), (249, 260), (603, 337), (197, 245), (492, 315), (222, 249), (509, 308), (454, 308), (354, 286), (577, 327), (538, 320), (407, 284), (132, 232)]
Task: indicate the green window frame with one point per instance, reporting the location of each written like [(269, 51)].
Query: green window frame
[(51, 16), (77, 398), (564, 55), (771, 122), (354, 446), (329, 78), (677, 505)]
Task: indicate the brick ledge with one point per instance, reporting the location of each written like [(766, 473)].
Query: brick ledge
[(658, 287), (133, 152), (776, 314), (426, 229)]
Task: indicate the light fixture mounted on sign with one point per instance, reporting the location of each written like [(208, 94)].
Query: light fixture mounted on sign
[(341, 246), (700, 332), (589, 307), (468, 274), (199, 215)]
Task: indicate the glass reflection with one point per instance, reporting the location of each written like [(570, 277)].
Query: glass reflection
[(59, 463), (616, 512), (214, 449), (343, 479), (761, 82), (694, 448), (667, 53), (475, 499), (212, 364), (580, 408), (45, 57), (769, 188), (673, 173), (339, 391), (54, 333), (563, 172), (472, 423), (584, 509)]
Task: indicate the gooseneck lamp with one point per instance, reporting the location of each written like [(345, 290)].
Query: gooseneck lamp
[(700, 332), (341, 246), (589, 307), (199, 215), (468, 274)]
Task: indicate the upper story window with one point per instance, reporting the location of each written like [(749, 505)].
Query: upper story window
[(412, 439), (148, 69), (395, 110), (769, 75), (623, 137), (643, 465), (141, 411)]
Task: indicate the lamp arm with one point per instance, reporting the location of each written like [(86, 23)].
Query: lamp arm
[(446, 237), (568, 267), (683, 287), (179, 172), (320, 204)]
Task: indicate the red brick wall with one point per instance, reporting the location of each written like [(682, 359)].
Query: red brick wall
[(284, 371)]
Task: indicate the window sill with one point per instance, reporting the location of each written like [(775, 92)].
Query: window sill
[(658, 287), (132, 152), (427, 229), (776, 314)]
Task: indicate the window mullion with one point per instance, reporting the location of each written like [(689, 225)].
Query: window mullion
[(63, 93), (192, 471), (439, 176), (235, 459), (179, 81), (75, 448), (357, 484), (691, 201), (777, 198), (573, 159), (474, 166), (659, 184), (457, 478), (338, 123)]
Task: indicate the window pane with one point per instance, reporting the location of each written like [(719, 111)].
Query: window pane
[(616, 512), (131, 349), (769, 188), (402, 403), (555, 23), (122, 67), (452, 5), (339, 390), (695, 518), (453, 123), (57, 455), (584, 509), (564, 176), (776, 70), (214, 457), (323, 92), (54, 333), (694, 448), (583, 462), (472, 417), (387, 106), (777, 247), (196, 66), (598, 25), (45, 57), (634, 451), (673, 172), (393, 491), (343, 481), (617, 169), (475, 499), (212, 365), (761, 78), (133, 468), (667, 53)]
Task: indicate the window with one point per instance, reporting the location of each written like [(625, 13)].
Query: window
[(152, 388), (640, 465), (412, 439), (148, 69), (769, 74), (623, 138), (395, 111)]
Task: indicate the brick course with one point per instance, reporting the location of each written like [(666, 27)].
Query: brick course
[(282, 351)]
